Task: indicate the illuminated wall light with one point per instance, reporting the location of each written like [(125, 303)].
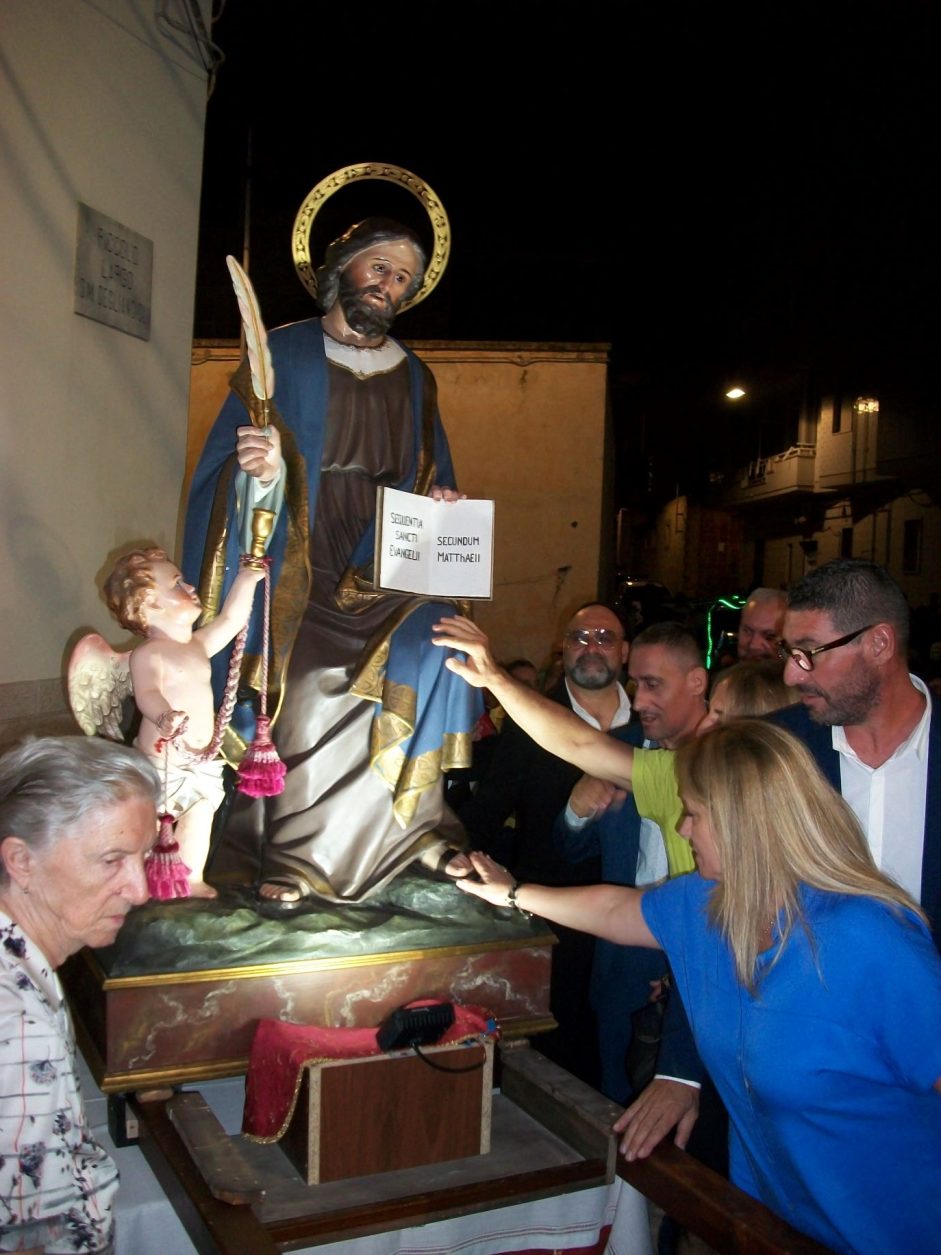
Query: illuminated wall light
[(735, 394)]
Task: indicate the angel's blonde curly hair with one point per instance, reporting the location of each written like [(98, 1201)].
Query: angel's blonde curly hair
[(127, 586)]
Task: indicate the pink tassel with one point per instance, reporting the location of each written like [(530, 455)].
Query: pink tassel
[(167, 874), (261, 771)]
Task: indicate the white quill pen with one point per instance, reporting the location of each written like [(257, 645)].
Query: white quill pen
[(259, 361), (256, 337)]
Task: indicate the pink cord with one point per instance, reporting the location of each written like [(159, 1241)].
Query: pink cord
[(224, 713)]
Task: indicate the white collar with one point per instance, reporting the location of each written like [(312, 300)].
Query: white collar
[(621, 716), (363, 362), (916, 741)]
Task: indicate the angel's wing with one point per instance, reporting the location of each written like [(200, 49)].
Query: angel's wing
[(99, 683)]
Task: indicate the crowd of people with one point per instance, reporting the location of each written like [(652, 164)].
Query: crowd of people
[(804, 944), (757, 852), (766, 845)]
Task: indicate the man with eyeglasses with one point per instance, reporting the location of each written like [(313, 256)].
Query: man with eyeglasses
[(529, 787), (869, 723)]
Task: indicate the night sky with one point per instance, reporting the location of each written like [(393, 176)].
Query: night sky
[(720, 191)]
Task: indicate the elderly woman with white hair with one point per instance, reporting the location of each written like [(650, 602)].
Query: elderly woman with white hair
[(77, 817)]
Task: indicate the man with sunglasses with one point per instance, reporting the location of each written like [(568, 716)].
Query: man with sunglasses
[(529, 787), (869, 723)]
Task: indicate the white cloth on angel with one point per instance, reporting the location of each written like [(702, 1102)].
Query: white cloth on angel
[(185, 784)]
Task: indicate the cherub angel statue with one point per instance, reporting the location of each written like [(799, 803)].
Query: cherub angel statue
[(169, 676)]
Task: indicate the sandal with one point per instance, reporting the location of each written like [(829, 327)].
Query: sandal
[(438, 862), (285, 884)]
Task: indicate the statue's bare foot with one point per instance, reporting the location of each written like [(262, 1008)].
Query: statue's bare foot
[(445, 860), (282, 891), (458, 866), (199, 889)]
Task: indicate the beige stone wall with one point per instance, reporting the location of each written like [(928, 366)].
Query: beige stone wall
[(527, 426), (98, 106), (784, 562), (696, 550), (668, 555), (878, 536)]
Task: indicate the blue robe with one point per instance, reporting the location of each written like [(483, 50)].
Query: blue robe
[(412, 738)]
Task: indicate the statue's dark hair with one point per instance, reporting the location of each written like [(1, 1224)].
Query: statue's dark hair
[(364, 234)]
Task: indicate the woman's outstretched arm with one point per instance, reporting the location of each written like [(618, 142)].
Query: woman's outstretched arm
[(550, 724), (609, 911)]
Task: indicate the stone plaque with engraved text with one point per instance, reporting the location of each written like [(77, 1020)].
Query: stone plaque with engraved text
[(113, 273)]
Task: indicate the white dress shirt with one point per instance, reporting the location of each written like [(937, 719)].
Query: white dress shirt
[(889, 801), (621, 716)]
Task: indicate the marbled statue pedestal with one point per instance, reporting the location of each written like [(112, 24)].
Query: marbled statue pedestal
[(177, 998)]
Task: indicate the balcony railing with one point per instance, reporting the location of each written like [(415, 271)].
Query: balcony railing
[(773, 476)]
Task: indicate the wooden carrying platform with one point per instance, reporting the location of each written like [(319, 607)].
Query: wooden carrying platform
[(178, 1027), (387, 1112), (551, 1135), (236, 1196)]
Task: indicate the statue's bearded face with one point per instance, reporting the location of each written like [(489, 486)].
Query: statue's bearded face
[(374, 284)]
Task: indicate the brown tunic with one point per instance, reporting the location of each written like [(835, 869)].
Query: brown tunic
[(333, 827)]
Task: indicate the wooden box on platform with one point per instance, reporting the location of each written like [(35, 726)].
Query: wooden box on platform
[(355, 1117)]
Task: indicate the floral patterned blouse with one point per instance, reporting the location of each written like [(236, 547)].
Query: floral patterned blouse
[(57, 1185)]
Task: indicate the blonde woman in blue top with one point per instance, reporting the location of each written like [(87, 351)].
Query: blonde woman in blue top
[(812, 985)]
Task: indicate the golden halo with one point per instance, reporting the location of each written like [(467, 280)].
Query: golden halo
[(318, 196)]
